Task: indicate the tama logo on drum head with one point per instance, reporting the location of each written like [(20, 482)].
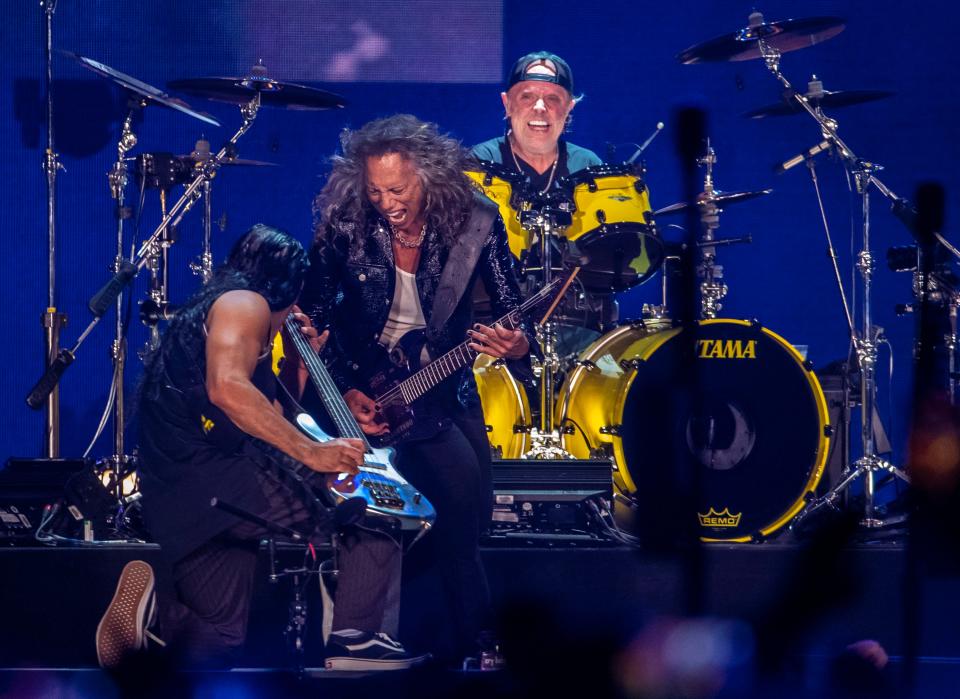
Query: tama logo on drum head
[(726, 349), (719, 519)]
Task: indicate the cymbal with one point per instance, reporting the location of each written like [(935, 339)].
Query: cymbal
[(138, 87), (273, 93), (718, 198), (829, 99), (744, 44), (243, 162)]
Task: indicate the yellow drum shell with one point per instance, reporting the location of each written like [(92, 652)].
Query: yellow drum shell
[(501, 191), (594, 393), (608, 200), (505, 407)]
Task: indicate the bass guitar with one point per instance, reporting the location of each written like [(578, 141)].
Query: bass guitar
[(385, 491)]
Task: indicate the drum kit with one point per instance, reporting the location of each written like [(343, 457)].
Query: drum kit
[(758, 430), (756, 427)]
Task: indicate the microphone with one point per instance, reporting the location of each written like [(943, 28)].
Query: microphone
[(646, 143), (781, 168)]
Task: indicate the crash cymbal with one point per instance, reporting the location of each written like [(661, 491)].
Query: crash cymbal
[(273, 93), (827, 99), (743, 45), (243, 162), (138, 87), (719, 199)]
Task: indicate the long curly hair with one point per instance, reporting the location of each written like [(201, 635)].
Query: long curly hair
[(265, 260), (438, 159)]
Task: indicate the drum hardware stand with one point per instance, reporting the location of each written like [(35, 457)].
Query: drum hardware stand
[(203, 266), (545, 441), (865, 341), (128, 269), (51, 320)]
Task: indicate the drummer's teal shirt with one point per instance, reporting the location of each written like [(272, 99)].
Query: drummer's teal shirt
[(577, 157)]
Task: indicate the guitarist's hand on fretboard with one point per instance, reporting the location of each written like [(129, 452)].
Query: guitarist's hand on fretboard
[(334, 456), (498, 341), (364, 409)]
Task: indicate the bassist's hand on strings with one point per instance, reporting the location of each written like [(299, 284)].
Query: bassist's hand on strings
[(364, 409), (335, 456), (498, 342)]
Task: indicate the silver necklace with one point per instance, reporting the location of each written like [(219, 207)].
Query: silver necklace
[(553, 169), (404, 243)]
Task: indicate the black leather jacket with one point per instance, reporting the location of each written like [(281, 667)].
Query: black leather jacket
[(350, 290)]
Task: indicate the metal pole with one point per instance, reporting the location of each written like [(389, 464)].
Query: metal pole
[(51, 320)]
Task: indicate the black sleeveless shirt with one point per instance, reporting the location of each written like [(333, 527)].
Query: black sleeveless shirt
[(190, 452)]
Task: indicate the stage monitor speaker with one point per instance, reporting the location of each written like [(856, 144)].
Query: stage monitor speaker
[(547, 499)]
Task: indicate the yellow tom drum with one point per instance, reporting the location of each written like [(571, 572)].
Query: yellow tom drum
[(729, 403), (506, 409), (502, 186), (613, 226)]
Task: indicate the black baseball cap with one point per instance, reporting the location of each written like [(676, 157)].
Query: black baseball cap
[(544, 66)]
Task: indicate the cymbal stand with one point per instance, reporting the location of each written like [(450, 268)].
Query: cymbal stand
[(712, 289), (865, 341), (545, 440), (107, 295), (203, 266), (52, 320)]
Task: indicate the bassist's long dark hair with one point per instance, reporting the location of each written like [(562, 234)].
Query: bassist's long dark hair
[(265, 260)]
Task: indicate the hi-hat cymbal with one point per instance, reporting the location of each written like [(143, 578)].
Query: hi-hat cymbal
[(828, 99), (744, 44), (138, 87), (718, 198), (273, 93)]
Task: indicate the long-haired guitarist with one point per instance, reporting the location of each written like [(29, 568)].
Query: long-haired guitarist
[(401, 237), (211, 427)]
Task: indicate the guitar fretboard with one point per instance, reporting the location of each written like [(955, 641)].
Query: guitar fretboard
[(336, 406)]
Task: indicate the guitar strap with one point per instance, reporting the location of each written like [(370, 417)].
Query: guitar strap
[(460, 264)]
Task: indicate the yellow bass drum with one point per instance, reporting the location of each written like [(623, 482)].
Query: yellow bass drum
[(506, 409), (727, 401)]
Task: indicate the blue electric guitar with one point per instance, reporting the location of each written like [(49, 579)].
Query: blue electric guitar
[(386, 492)]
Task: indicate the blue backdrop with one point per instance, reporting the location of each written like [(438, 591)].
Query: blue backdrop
[(622, 55)]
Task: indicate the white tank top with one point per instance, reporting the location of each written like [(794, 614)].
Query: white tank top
[(406, 314)]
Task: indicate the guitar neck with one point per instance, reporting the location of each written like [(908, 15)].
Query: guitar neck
[(333, 401), (413, 387)]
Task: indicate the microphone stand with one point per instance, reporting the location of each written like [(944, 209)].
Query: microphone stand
[(51, 320), (127, 269), (865, 340)]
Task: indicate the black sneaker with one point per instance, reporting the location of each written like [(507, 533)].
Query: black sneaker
[(122, 632), (350, 649)]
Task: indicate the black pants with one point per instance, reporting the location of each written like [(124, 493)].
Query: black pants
[(452, 469), (206, 623)]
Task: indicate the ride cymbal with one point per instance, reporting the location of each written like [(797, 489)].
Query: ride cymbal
[(718, 198), (273, 93), (138, 87), (744, 44)]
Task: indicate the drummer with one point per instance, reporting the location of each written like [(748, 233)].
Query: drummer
[(538, 103)]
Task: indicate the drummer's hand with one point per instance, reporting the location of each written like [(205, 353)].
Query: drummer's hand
[(498, 342), (364, 409)]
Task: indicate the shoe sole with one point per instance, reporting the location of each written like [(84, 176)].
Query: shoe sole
[(120, 631), (370, 664)]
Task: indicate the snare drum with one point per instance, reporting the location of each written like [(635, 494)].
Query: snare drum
[(613, 226), (506, 409), (754, 425)]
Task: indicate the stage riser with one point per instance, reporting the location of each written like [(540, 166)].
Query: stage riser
[(53, 598)]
